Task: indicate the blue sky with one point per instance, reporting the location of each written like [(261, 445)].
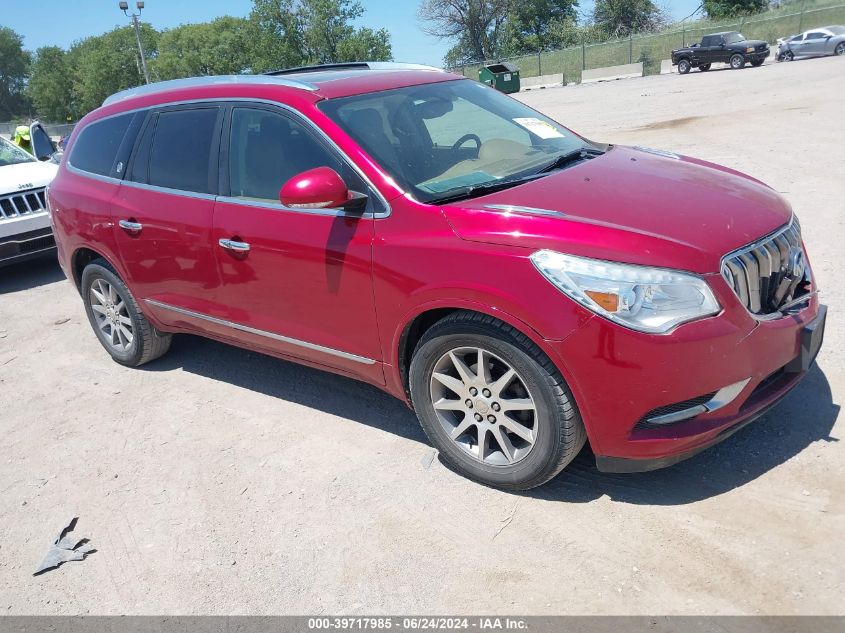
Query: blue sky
[(60, 22)]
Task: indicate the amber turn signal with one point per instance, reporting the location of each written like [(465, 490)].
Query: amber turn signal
[(606, 300)]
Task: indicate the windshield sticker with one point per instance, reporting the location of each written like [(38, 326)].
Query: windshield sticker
[(538, 127), (464, 180)]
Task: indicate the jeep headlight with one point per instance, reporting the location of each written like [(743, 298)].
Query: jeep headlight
[(639, 297), (750, 49)]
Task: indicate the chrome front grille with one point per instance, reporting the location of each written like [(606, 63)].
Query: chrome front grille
[(21, 203), (769, 273)]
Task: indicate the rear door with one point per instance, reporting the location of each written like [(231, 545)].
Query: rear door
[(303, 287), (163, 213)]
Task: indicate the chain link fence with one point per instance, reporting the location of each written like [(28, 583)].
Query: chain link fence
[(650, 49)]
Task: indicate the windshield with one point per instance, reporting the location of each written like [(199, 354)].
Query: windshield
[(730, 38), (438, 138), (11, 154)]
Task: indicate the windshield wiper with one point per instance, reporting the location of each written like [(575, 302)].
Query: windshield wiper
[(564, 159), (472, 191)]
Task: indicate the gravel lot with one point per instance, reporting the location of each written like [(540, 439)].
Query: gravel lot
[(221, 481)]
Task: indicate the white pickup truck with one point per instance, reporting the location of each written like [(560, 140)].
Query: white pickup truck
[(24, 222)]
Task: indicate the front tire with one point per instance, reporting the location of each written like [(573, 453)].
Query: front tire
[(737, 61), (493, 403), (116, 319), (790, 56), (684, 66)]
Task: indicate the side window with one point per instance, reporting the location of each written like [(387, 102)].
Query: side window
[(42, 144), (266, 149), (815, 36), (180, 150), (95, 148), (797, 38)]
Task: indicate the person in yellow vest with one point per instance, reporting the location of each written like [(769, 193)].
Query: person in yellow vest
[(22, 138)]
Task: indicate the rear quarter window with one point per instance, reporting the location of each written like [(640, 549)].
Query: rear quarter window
[(96, 147)]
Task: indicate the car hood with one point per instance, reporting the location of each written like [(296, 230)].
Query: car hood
[(26, 176), (630, 205)]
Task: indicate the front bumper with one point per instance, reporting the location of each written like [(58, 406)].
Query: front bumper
[(618, 376)]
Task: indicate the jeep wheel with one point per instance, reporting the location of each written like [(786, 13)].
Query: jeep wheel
[(737, 61), (493, 403), (840, 49), (704, 68), (684, 66), (116, 319)]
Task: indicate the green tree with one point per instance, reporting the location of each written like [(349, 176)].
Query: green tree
[(275, 35), (50, 84), (477, 25), (219, 47), (733, 8), (365, 45), (105, 64), (295, 32), (14, 65), (619, 18), (533, 24)]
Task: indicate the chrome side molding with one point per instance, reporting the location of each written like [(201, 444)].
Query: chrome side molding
[(271, 335)]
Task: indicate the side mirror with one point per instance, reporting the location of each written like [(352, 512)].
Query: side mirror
[(320, 188)]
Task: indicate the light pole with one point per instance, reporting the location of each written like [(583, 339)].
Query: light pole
[(124, 6)]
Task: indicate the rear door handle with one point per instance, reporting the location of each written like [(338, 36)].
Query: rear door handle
[(131, 227), (235, 246)]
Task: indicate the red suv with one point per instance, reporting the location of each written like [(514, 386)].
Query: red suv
[(522, 288)]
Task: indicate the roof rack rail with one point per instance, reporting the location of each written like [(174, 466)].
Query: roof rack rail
[(351, 66), (192, 82)]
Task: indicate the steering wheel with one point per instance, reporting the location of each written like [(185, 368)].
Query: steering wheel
[(464, 139)]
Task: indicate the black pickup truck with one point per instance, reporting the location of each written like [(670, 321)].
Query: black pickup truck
[(729, 47)]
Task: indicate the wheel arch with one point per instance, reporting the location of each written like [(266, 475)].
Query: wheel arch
[(417, 323), (84, 255)]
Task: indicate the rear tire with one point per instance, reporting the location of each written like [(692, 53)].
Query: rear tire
[(737, 61), (840, 49), (684, 66), (704, 68), (116, 319), (513, 424)]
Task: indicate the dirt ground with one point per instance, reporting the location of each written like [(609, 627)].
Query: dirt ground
[(219, 481)]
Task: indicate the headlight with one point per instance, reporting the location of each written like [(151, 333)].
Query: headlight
[(638, 297), (750, 49)]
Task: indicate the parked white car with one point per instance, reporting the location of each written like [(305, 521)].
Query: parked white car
[(24, 222)]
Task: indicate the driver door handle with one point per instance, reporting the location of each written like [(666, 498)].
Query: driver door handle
[(130, 226), (232, 245)]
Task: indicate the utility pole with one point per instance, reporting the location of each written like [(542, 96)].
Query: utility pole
[(136, 23)]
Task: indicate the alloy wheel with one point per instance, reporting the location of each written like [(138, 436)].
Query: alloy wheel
[(840, 49), (111, 315), (484, 406)]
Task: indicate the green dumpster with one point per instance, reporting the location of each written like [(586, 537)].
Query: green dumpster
[(503, 76)]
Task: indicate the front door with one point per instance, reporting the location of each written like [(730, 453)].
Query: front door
[(163, 213), (297, 282)]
